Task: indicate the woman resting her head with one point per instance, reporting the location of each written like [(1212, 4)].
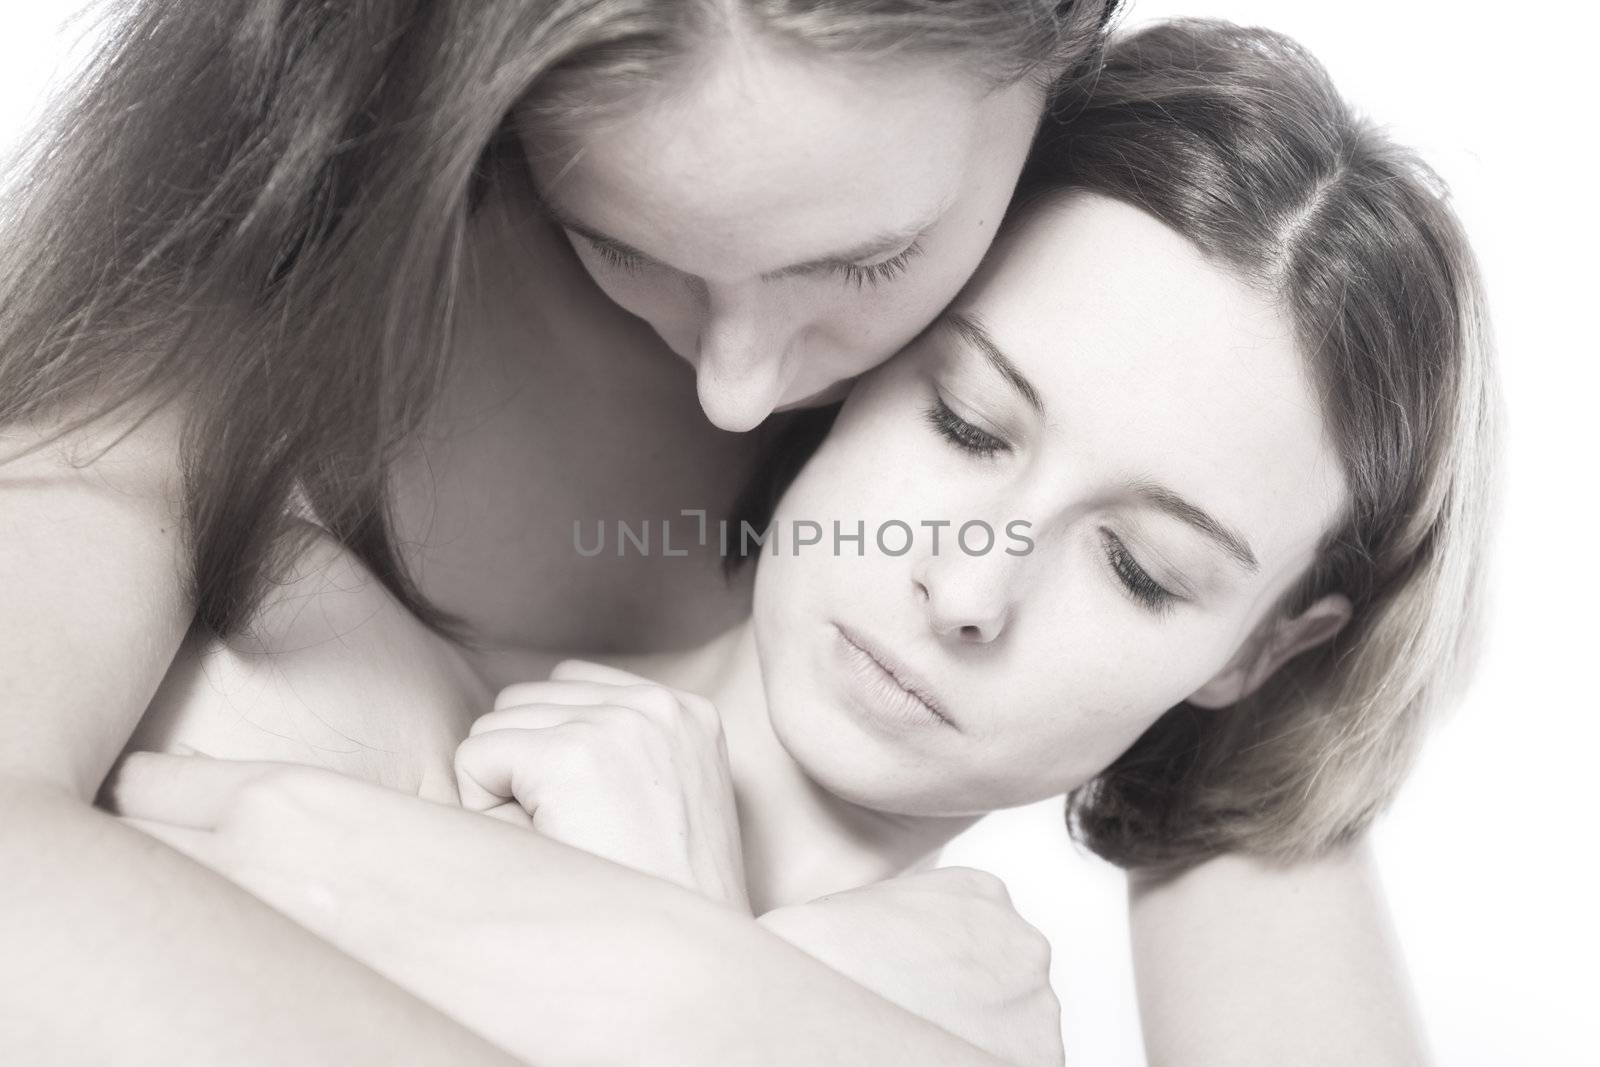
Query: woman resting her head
[(1177, 510)]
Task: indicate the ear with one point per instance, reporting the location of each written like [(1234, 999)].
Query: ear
[(1267, 651)]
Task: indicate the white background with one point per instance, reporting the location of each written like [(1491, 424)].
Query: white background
[(1486, 856)]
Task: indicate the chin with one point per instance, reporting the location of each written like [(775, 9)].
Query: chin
[(862, 770)]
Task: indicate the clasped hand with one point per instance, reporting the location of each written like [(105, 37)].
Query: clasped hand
[(616, 765), (610, 764)]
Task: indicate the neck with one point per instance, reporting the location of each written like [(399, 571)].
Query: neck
[(800, 841)]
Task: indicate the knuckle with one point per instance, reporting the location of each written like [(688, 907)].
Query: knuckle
[(1036, 951), (277, 793), (703, 712), (488, 723), (568, 667), (477, 748), (512, 695), (621, 724), (981, 884), (577, 747), (653, 700)]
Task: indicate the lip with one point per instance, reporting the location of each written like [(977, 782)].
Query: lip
[(908, 697)]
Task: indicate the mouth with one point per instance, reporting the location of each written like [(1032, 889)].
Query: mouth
[(889, 685)]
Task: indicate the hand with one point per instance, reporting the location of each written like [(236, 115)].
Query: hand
[(538, 947), (946, 945), (608, 762)]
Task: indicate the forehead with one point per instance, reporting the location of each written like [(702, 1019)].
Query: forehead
[(762, 156), (1158, 363)]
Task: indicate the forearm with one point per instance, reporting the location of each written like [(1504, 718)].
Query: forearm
[(586, 961), (1242, 963), (752, 998), (118, 950)]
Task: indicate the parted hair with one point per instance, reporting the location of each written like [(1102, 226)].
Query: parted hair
[(1236, 139), (258, 208)]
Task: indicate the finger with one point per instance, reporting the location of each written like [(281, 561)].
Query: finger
[(483, 770), (554, 692), (196, 844), (501, 765), (545, 716), (511, 812), (582, 670), (192, 791), (640, 690)]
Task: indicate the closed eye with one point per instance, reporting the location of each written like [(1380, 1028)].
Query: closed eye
[(1145, 590), (860, 276), (612, 256), (878, 273), (963, 434)]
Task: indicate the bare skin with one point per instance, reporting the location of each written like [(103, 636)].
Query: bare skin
[(91, 561), (588, 387), (364, 675), (135, 492), (91, 643), (605, 422)]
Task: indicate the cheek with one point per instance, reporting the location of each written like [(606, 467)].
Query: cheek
[(864, 472), (1114, 671), (874, 465), (1056, 731)]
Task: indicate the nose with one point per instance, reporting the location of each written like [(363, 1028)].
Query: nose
[(746, 359), (965, 598)]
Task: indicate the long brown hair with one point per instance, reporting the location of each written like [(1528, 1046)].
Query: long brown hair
[(1237, 140), (258, 208)]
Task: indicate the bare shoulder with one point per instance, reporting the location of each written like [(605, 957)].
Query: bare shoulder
[(133, 449), (1247, 961), (95, 602), (334, 672)]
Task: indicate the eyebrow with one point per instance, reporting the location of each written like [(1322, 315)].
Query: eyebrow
[(1164, 499), (971, 329), (894, 240)]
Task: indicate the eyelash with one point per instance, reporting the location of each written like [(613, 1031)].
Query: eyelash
[(614, 257), (1146, 590), (875, 275), (879, 273), (963, 434)]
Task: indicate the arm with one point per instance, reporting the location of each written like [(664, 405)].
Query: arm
[(98, 921), (549, 951), (119, 949), (616, 765), (1239, 962)]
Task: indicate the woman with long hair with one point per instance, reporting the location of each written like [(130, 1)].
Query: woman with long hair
[(426, 276)]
